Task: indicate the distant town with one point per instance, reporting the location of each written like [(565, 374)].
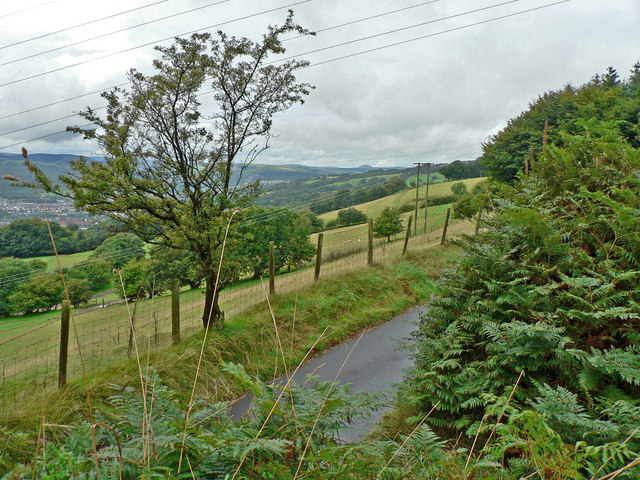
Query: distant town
[(59, 211)]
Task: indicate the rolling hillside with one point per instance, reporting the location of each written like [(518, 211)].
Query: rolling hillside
[(408, 196), (56, 165)]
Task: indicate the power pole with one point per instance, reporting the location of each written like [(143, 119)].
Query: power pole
[(415, 226), (419, 164), (426, 199)]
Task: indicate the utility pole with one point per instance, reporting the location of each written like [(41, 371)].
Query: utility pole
[(415, 226), (419, 164), (426, 198)]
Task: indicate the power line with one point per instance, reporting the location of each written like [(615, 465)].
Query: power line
[(84, 62), (421, 24), (439, 33), (64, 100), (80, 25), (318, 50), (127, 83), (47, 122), (115, 32), (356, 53), (365, 19), (42, 136)]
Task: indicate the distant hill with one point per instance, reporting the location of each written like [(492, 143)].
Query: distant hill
[(55, 165), (289, 173), (13, 164), (328, 192)]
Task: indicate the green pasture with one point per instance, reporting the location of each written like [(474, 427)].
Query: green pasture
[(374, 208), (434, 177), (343, 240), (65, 260)]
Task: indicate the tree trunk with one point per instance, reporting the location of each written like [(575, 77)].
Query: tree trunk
[(217, 316)]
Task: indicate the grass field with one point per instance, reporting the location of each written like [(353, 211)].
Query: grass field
[(65, 260), (434, 177), (29, 345), (373, 208), (346, 240), (334, 309)]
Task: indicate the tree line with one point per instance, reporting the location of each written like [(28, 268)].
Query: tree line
[(533, 338), (30, 238)]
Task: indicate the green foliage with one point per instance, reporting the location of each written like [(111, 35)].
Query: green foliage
[(167, 175), (350, 216), (120, 249), (603, 98), (42, 292), (165, 265), (79, 291), (31, 238), (96, 273), (459, 170), (13, 272), (135, 276), (472, 205), (550, 289), (387, 224), (394, 185), (459, 189), (317, 225), (287, 229)]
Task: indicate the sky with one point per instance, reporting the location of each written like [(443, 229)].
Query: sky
[(421, 81)]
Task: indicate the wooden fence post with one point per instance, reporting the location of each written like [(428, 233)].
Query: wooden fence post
[(175, 311), (406, 238), (316, 276), (444, 229), (64, 343), (272, 269), (370, 253), (478, 221), (426, 198)]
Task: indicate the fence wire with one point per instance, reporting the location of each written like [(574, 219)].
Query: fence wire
[(106, 331)]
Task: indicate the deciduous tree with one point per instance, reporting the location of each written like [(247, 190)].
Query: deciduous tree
[(388, 223), (167, 173)]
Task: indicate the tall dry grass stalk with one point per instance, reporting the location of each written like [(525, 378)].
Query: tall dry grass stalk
[(204, 342), (620, 471), (324, 402), (275, 404), (143, 384), (495, 427), (631, 435), (280, 348), (475, 439), (43, 206)]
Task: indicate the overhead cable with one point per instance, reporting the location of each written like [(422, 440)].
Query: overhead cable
[(113, 32), (155, 42), (382, 47), (80, 25)]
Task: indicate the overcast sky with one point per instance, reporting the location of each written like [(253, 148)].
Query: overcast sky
[(435, 98)]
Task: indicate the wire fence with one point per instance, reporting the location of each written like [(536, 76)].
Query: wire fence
[(103, 333)]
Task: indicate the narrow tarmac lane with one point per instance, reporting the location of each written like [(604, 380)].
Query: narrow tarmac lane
[(375, 364)]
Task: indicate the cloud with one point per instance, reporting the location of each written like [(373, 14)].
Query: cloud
[(434, 99)]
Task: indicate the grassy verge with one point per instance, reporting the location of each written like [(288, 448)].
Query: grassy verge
[(343, 304)]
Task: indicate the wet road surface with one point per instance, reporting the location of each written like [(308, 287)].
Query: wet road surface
[(376, 364)]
